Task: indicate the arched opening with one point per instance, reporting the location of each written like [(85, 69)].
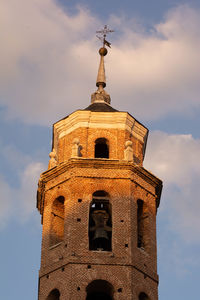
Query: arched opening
[(101, 148), (100, 222), (54, 295), (99, 290), (57, 221), (143, 296), (140, 225)]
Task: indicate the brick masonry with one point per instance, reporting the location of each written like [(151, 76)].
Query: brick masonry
[(70, 266)]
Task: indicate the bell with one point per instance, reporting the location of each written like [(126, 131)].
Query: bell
[(100, 233), (100, 218)]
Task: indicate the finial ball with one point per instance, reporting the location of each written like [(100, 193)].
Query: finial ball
[(76, 141), (103, 51), (128, 144)]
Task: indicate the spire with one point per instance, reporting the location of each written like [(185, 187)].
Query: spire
[(100, 95), (101, 77)]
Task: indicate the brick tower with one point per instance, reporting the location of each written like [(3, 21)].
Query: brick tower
[(98, 206)]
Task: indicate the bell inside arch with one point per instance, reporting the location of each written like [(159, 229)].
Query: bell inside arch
[(100, 225)]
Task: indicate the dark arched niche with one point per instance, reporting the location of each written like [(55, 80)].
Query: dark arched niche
[(143, 296), (140, 224), (54, 295), (57, 221), (101, 148), (99, 290), (100, 222)]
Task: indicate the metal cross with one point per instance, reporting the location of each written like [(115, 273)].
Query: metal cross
[(104, 32)]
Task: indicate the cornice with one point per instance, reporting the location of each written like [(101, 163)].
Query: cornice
[(96, 164), (107, 120)]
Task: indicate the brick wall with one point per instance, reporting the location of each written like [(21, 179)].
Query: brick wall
[(67, 264)]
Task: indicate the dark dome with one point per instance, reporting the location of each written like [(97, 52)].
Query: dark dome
[(98, 106)]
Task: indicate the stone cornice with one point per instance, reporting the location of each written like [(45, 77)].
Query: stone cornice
[(107, 120), (96, 164)]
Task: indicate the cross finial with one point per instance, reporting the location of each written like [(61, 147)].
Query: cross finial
[(103, 34)]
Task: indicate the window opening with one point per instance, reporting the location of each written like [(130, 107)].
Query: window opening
[(100, 223), (101, 148), (54, 295), (142, 225), (140, 242), (99, 289), (57, 221), (143, 296)]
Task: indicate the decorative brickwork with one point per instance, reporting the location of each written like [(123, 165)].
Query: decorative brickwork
[(65, 194)]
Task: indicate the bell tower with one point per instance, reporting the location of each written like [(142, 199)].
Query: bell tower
[(98, 206)]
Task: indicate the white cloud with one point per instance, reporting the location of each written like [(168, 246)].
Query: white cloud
[(18, 201), (28, 188), (175, 159), (43, 52), (160, 70), (49, 62)]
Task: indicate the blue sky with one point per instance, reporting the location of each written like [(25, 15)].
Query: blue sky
[(49, 63)]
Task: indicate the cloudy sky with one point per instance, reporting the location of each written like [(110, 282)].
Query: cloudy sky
[(48, 67)]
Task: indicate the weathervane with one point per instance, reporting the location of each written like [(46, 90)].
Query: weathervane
[(104, 32)]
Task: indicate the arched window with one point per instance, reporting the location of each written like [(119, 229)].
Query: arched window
[(143, 296), (100, 222), (142, 225), (57, 221), (140, 242), (99, 289), (101, 148), (54, 295)]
